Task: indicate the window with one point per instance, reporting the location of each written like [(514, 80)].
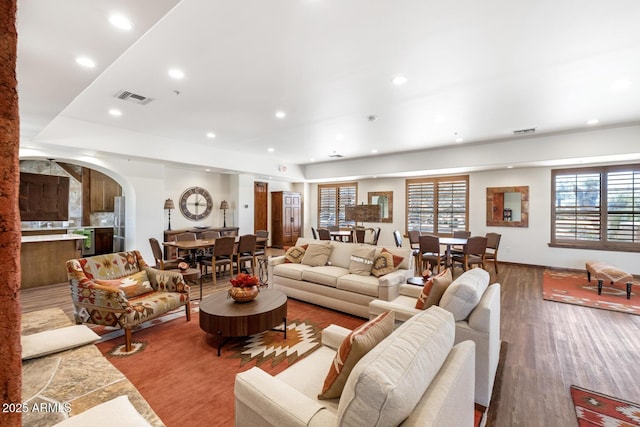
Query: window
[(438, 205), (332, 202), (596, 208)]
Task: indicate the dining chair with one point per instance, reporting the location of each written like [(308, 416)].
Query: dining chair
[(491, 253), (246, 252), (375, 236), (161, 263), (414, 239), (324, 234), (459, 234), (222, 256), (472, 254), (430, 252), (397, 238), (262, 236), (358, 234), (185, 237)]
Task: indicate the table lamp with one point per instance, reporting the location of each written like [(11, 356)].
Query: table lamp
[(224, 205), (168, 204)]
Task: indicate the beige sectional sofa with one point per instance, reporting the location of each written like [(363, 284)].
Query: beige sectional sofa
[(414, 376), (334, 284), (476, 308)]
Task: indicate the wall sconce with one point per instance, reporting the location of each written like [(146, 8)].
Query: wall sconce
[(224, 205), (168, 205)]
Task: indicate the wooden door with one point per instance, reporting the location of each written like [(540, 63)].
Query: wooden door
[(260, 193)]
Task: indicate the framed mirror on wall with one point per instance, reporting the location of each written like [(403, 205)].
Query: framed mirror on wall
[(508, 206), (385, 200)]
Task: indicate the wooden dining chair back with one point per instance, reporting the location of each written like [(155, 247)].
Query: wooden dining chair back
[(324, 234), (246, 252), (262, 236), (397, 238), (184, 237), (459, 234), (210, 235), (359, 234), (430, 252), (375, 235), (472, 254), (222, 256), (161, 263), (491, 253), (414, 239)]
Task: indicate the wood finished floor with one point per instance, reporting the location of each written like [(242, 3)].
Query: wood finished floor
[(551, 346)]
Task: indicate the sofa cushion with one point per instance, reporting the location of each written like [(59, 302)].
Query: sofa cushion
[(290, 270), (360, 341), (295, 254), (405, 253), (387, 383), (362, 261), (133, 285), (433, 290), (385, 263), (327, 275), (368, 285), (465, 292), (56, 340), (116, 412), (316, 255)]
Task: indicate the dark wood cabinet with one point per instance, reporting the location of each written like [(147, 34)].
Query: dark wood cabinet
[(103, 191), (286, 211), (104, 240)]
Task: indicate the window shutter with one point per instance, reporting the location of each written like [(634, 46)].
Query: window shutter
[(452, 206), (623, 206), (577, 206), (437, 205)]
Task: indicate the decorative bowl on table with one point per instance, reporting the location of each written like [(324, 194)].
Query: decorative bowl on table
[(244, 288), (183, 266)]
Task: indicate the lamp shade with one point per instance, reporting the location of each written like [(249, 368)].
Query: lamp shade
[(168, 204), (224, 205)]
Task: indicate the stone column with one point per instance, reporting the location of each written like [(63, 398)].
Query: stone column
[(10, 349)]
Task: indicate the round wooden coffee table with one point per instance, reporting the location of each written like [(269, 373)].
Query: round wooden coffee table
[(222, 316)]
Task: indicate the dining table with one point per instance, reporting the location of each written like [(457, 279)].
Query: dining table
[(342, 235), (449, 242), (194, 245)]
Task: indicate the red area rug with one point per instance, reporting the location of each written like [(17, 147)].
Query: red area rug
[(572, 287), (596, 409), (175, 366)]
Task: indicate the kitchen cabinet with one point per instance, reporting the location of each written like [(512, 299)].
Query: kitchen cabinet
[(104, 240), (103, 190)]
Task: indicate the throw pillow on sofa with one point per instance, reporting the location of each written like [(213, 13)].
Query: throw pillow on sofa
[(385, 263), (465, 293), (133, 286), (358, 343), (362, 261), (295, 254), (433, 290), (316, 255)]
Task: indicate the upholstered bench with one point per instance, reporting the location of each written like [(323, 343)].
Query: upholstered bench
[(602, 271)]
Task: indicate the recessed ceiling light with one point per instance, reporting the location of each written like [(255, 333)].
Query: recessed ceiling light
[(207, 170), (271, 149), (593, 122), (281, 114), (399, 80), (115, 113), (119, 21), (174, 73), (85, 62), (510, 167), (374, 151), (312, 159), (459, 140), (620, 84), (211, 135)]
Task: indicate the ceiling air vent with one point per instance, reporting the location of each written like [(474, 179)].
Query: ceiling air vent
[(335, 155), (524, 131), (133, 97)]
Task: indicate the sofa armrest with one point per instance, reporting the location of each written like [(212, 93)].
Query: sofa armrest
[(276, 260), (261, 399), (485, 316), (333, 335), (166, 280)]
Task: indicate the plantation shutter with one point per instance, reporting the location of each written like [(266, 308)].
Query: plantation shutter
[(577, 206), (332, 202), (437, 205), (623, 206)]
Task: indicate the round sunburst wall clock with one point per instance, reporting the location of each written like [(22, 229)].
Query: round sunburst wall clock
[(196, 203)]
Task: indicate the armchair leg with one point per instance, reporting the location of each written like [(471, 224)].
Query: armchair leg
[(187, 308), (127, 339)]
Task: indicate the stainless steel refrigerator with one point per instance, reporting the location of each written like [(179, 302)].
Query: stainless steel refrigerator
[(118, 224)]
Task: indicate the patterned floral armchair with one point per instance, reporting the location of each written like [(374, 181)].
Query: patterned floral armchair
[(120, 289)]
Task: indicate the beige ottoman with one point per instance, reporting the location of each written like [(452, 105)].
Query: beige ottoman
[(602, 271)]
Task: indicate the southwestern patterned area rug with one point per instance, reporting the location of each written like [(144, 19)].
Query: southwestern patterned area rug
[(596, 409), (572, 287)]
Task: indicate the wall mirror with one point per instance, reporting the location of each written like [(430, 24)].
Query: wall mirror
[(385, 200), (508, 206)]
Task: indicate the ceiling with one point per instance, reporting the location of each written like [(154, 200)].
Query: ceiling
[(476, 71)]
